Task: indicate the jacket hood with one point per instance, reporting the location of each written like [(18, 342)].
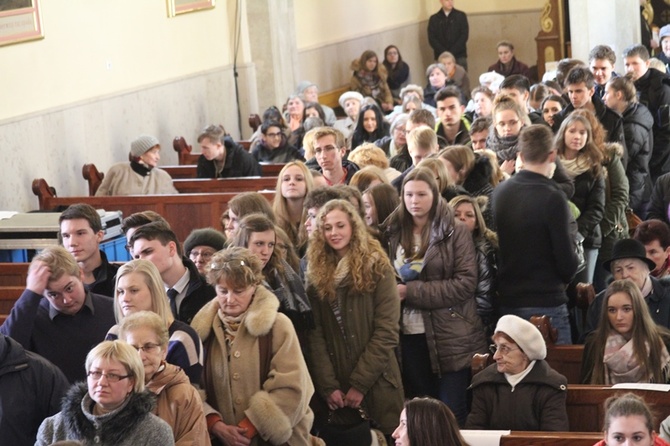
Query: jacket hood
[(635, 113), (170, 376), (614, 148), (259, 319), (12, 356), (114, 426)]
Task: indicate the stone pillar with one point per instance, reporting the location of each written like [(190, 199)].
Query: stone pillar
[(604, 22)]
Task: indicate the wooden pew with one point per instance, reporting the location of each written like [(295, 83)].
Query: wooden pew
[(8, 297), (331, 98), (190, 170), (586, 410), (185, 212), (566, 360), (525, 438), (184, 150), (13, 274)]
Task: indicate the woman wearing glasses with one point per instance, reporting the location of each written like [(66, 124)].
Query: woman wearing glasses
[(139, 287), (178, 402), (256, 382), (520, 391), (201, 244), (112, 407), (508, 120)]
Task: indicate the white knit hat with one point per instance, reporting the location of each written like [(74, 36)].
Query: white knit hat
[(526, 335), (350, 95), (142, 144)]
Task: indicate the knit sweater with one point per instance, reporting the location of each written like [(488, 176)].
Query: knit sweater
[(64, 340)]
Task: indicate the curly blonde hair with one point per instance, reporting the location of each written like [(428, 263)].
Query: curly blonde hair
[(367, 259)]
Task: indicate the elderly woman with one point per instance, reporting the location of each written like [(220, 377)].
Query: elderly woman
[(139, 287), (351, 102), (112, 407), (520, 391), (178, 402), (201, 244), (256, 382), (140, 176), (371, 155)]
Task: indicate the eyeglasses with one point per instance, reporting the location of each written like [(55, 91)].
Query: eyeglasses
[(503, 349), (204, 254), (231, 264), (327, 149), (111, 377), (147, 348), (273, 135)]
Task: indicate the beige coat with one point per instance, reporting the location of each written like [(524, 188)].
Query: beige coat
[(121, 179), (278, 407), (179, 405)]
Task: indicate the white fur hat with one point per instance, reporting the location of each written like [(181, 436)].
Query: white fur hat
[(350, 95), (526, 335)]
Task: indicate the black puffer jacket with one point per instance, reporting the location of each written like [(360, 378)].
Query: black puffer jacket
[(486, 280), (478, 182), (589, 197), (654, 92), (637, 128)]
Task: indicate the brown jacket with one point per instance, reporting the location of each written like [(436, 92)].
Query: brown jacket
[(445, 291), (383, 95), (179, 404), (365, 359), (278, 407)]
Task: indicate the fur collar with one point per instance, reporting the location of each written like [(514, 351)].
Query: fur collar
[(115, 427), (258, 320)]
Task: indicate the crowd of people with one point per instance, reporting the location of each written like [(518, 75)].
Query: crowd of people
[(426, 225)]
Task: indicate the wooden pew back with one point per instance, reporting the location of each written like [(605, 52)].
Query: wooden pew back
[(521, 438), (237, 185), (191, 170)]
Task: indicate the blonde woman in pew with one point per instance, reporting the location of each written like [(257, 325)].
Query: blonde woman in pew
[(520, 391), (293, 184), (629, 421), (627, 346), (141, 176)]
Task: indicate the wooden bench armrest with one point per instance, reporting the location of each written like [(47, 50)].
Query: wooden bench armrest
[(42, 189), (93, 176), (182, 148)]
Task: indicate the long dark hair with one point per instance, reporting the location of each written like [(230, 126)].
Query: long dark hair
[(361, 135), (431, 423)]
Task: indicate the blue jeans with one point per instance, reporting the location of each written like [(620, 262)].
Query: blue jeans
[(419, 379), (557, 315)]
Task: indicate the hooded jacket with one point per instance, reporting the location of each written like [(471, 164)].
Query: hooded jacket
[(180, 406), (383, 95), (638, 126), (279, 407), (537, 402), (445, 291), (31, 389), (132, 424)]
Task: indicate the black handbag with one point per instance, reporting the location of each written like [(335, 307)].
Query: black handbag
[(346, 427)]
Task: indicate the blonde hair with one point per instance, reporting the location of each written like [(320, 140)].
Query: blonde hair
[(145, 319), (125, 354), (439, 169), (297, 233), (237, 266), (423, 137), (364, 177), (368, 154), (152, 278), (59, 261)]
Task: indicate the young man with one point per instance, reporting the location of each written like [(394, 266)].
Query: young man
[(274, 146), (655, 236), (81, 233), (601, 62), (533, 268), (222, 157), (479, 131), (448, 31), (56, 317), (653, 89), (329, 151), (187, 290), (580, 86), (453, 127), (517, 87)]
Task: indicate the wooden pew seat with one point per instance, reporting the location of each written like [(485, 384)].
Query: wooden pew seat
[(13, 274), (8, 297)]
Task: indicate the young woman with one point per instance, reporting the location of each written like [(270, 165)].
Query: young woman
[(628, 420), (583, 161), (255, 379), (437, 78), (368, 176), (436, 260), (274, 146), (177, 402), (397, 69), (468, 210), (627, 346), (246, 203), (111, 407), (369, 79), (379, 202), (257, 233), (427, 421), (352, 287), (139, 287), (508, 120), (551, 105), (293, 184), (371, 126), (447, 188)]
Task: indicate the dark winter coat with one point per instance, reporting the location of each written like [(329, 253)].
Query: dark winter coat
[(238, 163), (654, 92), (448, 33), (537, 402), (637, 128), (132, 424), (660, 199), (198, 293), (445, 291), (514, 67), (589, 197), (283, 154)]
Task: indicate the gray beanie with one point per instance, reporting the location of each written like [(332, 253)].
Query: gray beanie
[(140, 146), (526, 335), (205, 236)]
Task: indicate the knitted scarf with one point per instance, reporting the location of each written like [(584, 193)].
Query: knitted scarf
[(576, 167), (621, 365)]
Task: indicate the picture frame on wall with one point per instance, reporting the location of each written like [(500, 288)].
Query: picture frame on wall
[(176, 7), (20, 21)]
